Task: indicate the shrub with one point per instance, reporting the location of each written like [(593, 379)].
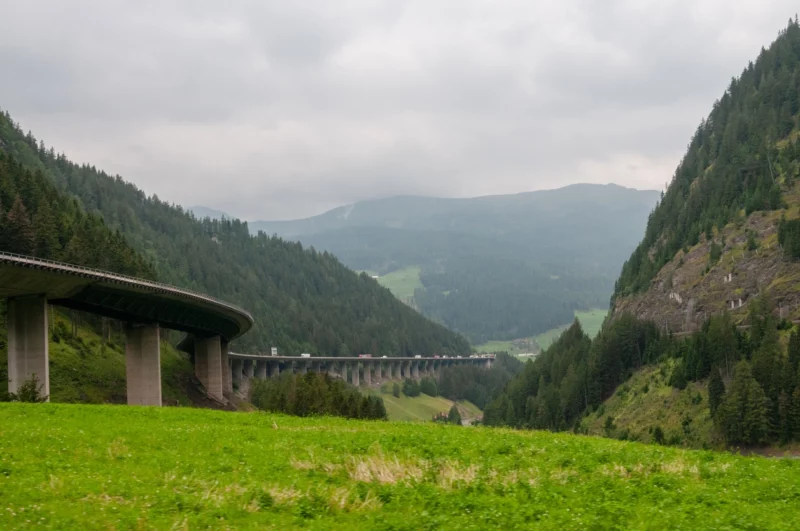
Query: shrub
[(658, 435), (411, 387), (396, 390), (454, 417), (429, 387)]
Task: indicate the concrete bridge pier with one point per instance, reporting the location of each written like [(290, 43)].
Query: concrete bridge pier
[(367, 373), (407, 369), (261, 370), (415, 369), (227, 377), (28, 350), (379, 370), (301, 367), (250, 369), (208, 364), (143, 364), (331, 369), (236, 372), (273, 369), (354, 376)]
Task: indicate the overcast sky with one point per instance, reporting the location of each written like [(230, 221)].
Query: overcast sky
[(276, 110)]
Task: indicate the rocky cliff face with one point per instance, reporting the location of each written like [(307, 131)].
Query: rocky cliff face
[(690, 288)]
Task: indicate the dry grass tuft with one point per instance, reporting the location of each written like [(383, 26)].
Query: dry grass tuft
[(450, 474), (383, 470)]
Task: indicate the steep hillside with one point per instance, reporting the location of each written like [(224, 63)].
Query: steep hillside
[(495, 267), (301, 300), (712, 241), (718, 266)]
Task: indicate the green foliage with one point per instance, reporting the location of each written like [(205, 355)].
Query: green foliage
[(453, 416), (302, 300), (312, 393), (716, 391), (411, 387), (658, 435), (396, 390), (743, 415), (429, 386), (476, 384), (124, 468), (29, 391), (43, 222), (734, 161)]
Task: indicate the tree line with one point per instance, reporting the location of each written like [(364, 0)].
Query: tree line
[(753, 383), (314, 394), (37, 220)]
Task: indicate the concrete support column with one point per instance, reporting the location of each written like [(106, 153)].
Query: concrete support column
[(227, 377), (261, 369), (396, 371), (302, 367), (236, 372), (354, 376), (379, 370), (332, 369), (208, 364), (274, 369), (368, 373), (28, 350), (415, 369), (250, 369), (407, 370), (143, 364)]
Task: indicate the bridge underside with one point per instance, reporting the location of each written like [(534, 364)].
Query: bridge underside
[(145, 307)]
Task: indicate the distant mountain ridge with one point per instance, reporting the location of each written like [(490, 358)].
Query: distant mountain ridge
[(492, 267), (201, 212)]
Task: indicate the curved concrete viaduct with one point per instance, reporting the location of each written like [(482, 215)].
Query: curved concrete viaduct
[(353, 370), (30, 284)]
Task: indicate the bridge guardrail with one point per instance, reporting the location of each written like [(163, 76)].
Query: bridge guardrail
[(82, 270)]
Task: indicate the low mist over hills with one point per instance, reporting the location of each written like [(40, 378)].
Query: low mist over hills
[(493, 267)]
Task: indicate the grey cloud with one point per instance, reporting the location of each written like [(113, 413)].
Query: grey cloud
[(283, 109)]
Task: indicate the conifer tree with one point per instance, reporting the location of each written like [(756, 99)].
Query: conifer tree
[(716, 391), (19, 231)]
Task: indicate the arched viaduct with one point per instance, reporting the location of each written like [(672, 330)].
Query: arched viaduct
[(30, 284)]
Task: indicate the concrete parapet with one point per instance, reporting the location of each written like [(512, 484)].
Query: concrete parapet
[(28, 350), (143, 364)]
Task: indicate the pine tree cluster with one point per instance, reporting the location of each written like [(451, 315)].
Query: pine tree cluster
[(314, 394)]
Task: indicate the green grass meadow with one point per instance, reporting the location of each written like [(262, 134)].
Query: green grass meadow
[(402, 282), (423, 407), (70, 466), (591, 320)]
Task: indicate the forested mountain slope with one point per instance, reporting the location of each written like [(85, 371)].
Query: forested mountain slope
[(494, 267), (726, 233), (301, 300), (713, 241)]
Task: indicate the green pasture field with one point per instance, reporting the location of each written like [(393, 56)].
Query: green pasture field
[(422, 407), (402, 282), (118, 467), (591, 321)]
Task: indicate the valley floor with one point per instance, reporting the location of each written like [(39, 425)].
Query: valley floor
[(119, 467)]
